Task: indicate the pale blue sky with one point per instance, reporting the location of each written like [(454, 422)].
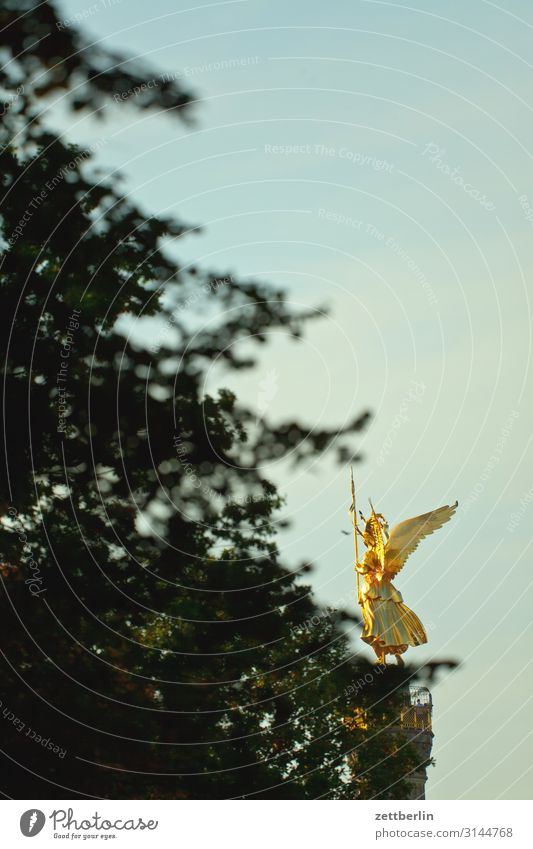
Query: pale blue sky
[(425, 283)]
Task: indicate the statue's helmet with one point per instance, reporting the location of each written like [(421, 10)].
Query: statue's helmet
[(375, 523)]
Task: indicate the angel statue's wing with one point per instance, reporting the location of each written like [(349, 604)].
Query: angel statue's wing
[(405, 537)]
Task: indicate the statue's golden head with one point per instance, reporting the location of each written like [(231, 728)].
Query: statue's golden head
[(374, 526)]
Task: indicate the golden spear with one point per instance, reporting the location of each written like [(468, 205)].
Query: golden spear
[(354, 518)]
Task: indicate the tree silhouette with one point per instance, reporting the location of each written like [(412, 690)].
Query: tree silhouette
[(154, 645)]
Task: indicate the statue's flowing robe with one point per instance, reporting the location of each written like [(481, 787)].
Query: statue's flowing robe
[(389, 625)]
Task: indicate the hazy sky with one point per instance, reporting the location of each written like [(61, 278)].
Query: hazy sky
[(376, 158)]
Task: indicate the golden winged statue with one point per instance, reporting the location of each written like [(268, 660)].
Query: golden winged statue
[(390, 627)]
